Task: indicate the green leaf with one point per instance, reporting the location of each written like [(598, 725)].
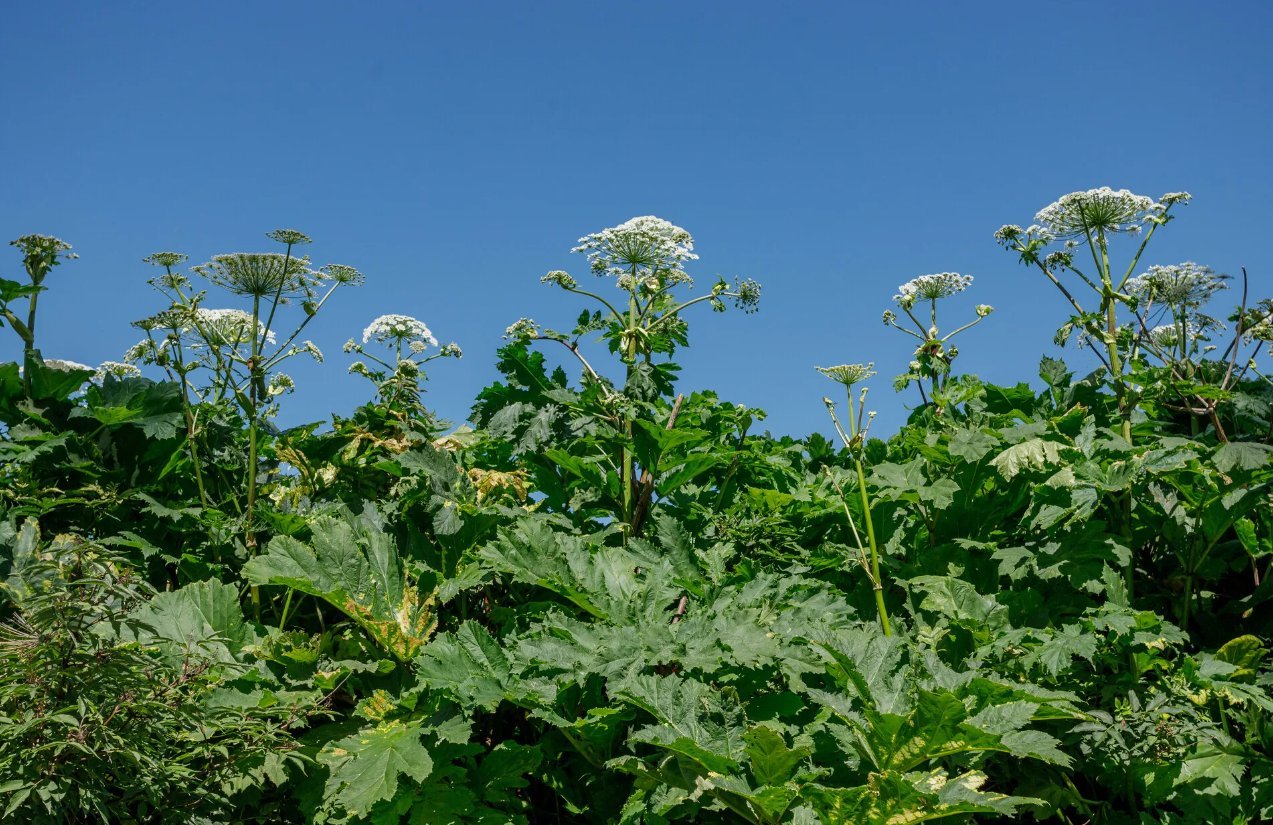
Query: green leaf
[(1034, 453), (54, 384), (364, 768), (771, 761), (602, 581), (203, 619), (1241, 455), (959, 601), (352, 564), (1245, 653), (689, 719), (468, 664)]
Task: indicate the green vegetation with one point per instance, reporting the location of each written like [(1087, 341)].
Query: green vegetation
[(614, 601)]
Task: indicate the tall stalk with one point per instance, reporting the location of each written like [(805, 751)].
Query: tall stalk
[(853, 439), (876, 583)]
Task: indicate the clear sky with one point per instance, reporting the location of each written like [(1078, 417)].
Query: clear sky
[(454, 152)]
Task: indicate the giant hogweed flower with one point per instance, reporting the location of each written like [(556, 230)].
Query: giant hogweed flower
[(398, 329), (40, 253), (165, 259), (226, 327), (848, 374), (260, 274), (115, 369), (521, 330), (66, 365), (290, 237), (342, 274), (931, 288), (1099, 210), (646, 243), (746, 295), (1186, 284)]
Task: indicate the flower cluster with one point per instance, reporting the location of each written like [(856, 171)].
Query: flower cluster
[(290, 237), (280, 383), (63, 365), (114, 369), (165, 259), (561, 279), (1097, 210), (40, 253), (523, 329), (1168, 335), (848, 374), (647, 243), (341, 274), (398, 329), (931, 288), (1179, 285), (227, 327), (260, 274)]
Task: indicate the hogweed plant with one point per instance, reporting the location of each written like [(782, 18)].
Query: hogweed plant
[(934, 354), (854, 440), (40, 253), (1170, 326), (1090, 221), (398, 381), (231, 356), (645, 257)]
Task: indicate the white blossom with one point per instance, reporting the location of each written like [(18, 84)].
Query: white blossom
[(63, 365), (398, 329), (279, 383), (561, 279), (1186, 284), (139, 351), (522, 329), (848, 374), (1104, 209), (228, 327), (649, 245), (262, 274), (931, 288), (116, 369)]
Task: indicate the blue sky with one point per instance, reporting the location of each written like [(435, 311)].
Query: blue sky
[(455, 152)]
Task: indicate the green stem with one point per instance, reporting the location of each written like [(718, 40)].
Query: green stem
[(287, 606), (877, 583), (249, 526), (630, 359), (278, 295)]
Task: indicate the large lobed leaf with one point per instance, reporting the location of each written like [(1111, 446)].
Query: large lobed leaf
[(352, 564)]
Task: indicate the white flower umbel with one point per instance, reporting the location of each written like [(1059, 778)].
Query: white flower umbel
[(227, 327), (115, 369), (260, 274), (1180, 285), (521, 330), (647, 244), (63, 365), (931, 288), (1097, 210), (398, 329), (848, 374)]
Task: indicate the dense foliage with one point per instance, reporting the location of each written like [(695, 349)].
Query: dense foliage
[(610, 601)]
